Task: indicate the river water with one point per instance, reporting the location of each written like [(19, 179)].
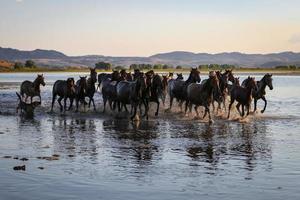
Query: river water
[(101, 156)]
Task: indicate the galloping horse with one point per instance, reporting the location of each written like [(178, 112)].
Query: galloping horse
[(178, 88), (261, 90), (80, 91), (90, 87), (65, 90), (32, 89), (243, 95), (202, 94)]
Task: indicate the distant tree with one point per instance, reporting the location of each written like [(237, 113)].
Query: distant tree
[(178, 67), (18, 65), (203, 67), (166, 66), (292, 67), (157, 66), (119, 68), (103, 65), (30, 64)]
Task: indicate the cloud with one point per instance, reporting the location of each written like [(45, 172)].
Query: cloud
[(19, 1), (295, 39)]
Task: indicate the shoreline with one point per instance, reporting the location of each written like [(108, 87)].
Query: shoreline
[(184, 71)]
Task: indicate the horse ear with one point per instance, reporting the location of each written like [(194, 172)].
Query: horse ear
[(271, 75)]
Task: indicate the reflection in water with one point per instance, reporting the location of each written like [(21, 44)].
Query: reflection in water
[(75, 136)]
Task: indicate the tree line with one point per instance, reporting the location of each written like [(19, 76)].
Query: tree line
[(28, 64), (108, 66)]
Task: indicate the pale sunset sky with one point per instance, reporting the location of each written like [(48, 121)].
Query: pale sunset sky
[(146, 27)]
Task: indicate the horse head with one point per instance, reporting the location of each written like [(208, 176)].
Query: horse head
[(195, 75), (93, 74), (40, 80), (71, 84), (214, 80), (230, 75), (179, 76), (82, 83), (268, 81)]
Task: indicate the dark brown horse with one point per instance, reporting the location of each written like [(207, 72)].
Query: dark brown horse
[(65, 89), (178, 88), (130, 92), (243, 95), (223, 83), (80, 92), (90, 87), (32, 89), (261, 90), (202, 94)]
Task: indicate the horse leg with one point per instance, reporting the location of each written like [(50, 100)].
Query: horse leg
[(196, 110), (224, 103), (40, 98), (126, 110), (157, 109), (90, 100), (59, 102), (186, 106), (265, 100), (205, 112), (71, 103), (65, 104), (238, 108), (77, 100), (31, 99), (104, 104), (208, 111), (93, 104), (248, 109), (229, 108), (171, 103), (134, 110), (53, 100), (243, 110)]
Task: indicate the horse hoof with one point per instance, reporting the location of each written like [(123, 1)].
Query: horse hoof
[(262, 111), (156, 114), (211, 121)]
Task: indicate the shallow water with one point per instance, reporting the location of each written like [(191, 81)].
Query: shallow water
[(169, 157)]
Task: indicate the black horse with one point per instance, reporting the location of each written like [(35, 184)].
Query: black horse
[(90, 87), (223, 83), (261, 90), (130, 92), (154, 92), (80, 91), (202, 94), (178, 88), (32, 89), (64, 89), (102, 77), (243, 95)]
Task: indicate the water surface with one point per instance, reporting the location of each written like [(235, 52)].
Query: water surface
[(169, 157)]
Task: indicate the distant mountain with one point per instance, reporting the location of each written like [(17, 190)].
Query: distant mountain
[(53, 58), (15, 54)]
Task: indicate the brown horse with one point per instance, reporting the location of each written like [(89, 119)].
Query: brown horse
[(202, 94), (243, 95), (32, 89)]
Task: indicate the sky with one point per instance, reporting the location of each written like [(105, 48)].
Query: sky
[(147, 27)]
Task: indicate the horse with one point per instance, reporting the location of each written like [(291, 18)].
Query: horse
[(223, 83), (90, 87), (179, 76), (177, 88), (32, 89), (109, 92), (261, 90), (243, 95), (101, 77), (80, 91), (165, 83), (130, 92), (125, 76), (202, 94), (27, 109), (154, 92), (64, 89)]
